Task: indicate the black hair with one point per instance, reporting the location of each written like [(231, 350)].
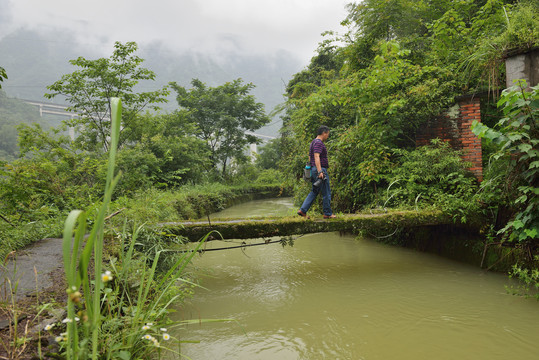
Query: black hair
[(322, 129)]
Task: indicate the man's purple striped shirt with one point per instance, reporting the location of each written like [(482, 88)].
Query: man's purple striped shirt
[(317, 146)]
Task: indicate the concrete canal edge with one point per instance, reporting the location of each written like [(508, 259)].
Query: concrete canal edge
[(429, 231), (285, 226)]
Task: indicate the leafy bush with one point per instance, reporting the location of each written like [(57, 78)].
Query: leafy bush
[(19, 235), (243, 173), (269, 177), (140, 169), (154, 206), (517, 135), (361, 160), (500, 30), (432, 175), (529, 280), (270, 155), (30, 186), (522, 32), (146, 206)]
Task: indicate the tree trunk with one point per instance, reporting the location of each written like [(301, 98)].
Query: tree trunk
[(224, 168)]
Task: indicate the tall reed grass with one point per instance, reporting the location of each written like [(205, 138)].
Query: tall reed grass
[(120, 312)]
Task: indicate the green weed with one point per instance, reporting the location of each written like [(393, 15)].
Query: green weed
[(115, 312)]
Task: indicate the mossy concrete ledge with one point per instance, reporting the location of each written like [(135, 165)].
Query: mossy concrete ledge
[(366, 224)]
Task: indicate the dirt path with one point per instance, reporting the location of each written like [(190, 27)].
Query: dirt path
[(37, 267)]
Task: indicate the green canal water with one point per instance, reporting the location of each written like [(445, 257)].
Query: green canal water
[(338, 297), (257, 208)]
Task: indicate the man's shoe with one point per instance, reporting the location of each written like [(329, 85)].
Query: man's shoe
[(329, 216), (301, 213)]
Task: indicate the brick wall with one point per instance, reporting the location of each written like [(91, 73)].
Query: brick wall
[(454, 126)]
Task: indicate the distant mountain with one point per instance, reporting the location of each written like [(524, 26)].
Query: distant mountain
[(34, 60)]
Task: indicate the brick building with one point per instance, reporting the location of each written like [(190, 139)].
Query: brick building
[(454, 126)]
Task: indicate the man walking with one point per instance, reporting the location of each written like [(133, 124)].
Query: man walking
[(318, 157)]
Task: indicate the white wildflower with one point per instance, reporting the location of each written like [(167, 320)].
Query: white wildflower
[(106, 277), (166, 337)]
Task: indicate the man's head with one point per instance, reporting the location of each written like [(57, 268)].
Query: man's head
[(323, 132)]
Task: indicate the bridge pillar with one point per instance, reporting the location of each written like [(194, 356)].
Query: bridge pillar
[(252, 152)]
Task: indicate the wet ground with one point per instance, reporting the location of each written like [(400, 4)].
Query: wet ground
[(33, 269), (31, 278)]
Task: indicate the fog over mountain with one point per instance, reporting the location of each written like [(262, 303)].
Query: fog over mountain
[(35, 60), (209, 26), (216, 41)]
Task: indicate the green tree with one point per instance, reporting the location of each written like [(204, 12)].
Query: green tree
[(49, 175), (223, 115), (3, 75), (323, 66), (270, 155), (166, 154), (90, 89), (402, 63)]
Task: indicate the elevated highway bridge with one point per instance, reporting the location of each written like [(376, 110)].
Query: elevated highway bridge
[(55, 109)]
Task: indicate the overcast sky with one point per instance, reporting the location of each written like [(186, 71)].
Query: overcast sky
[(248, 26)]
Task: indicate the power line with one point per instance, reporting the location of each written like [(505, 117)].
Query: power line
[(284, 241)]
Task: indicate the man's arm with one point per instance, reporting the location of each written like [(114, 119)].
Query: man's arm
[(318, 165)]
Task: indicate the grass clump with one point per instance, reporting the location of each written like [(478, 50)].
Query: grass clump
[(119, 310)]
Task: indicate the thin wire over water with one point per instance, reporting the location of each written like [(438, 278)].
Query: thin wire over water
[(333, 297)]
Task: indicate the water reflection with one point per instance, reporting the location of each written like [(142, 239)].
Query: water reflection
[(333, 297)]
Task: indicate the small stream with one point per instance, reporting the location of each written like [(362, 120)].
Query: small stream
[(338, 297)]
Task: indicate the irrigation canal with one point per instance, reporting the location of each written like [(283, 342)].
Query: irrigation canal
[(341, 297)]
